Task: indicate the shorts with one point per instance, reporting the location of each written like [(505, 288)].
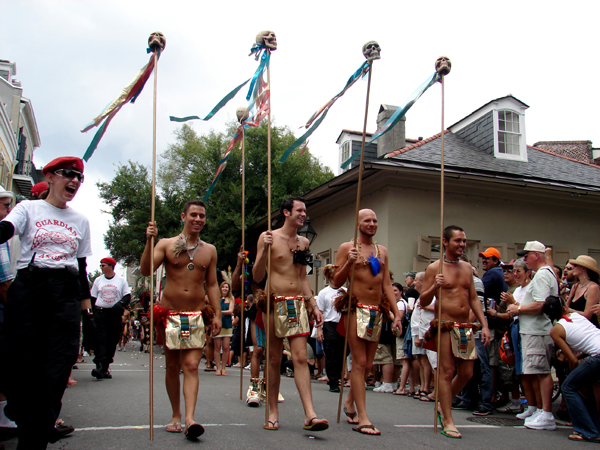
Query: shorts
[(261, 336), (494, 350), (432, 357), (383, 355), (536, 351), (225, 332), (399, 350)]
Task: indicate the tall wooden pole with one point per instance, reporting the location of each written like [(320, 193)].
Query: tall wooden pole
[(442, 72), (243, 281), (156, 52), (360, 173), (268, 287)]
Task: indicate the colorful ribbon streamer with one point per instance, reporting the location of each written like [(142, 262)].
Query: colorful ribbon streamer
[(398, 114), (258, 50), (129, 94), (259, 95), (322, 112)]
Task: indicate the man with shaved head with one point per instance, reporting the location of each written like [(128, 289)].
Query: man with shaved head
[(370, 282)]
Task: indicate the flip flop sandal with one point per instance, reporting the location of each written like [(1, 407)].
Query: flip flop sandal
[(361, 429), (194, 430), (174, 427), (272, 426), (351, 416), (456, 434), (320, 425)]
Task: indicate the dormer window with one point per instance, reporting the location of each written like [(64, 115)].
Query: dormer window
[(508, 133), (346, 150)]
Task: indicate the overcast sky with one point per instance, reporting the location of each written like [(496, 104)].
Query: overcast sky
[(74, 57)]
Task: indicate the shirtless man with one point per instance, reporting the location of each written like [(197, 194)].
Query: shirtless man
[(371, 280), (288, 284), (189, 263), (459, 298)]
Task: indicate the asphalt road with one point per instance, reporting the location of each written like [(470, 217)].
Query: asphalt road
[(114, 414)]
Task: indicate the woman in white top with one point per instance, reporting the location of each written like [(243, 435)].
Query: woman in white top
[(577, 338), (44, 302)]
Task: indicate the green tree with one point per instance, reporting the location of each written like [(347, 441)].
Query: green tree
[(128, 196), (92, 276)]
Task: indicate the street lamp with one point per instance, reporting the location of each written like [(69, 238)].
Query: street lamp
[(307, 231)]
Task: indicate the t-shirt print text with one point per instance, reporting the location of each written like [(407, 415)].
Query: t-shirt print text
[(54, 239)]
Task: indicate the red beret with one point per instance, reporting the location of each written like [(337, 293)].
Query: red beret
[(64, 162), (110, 261), (38, 188)]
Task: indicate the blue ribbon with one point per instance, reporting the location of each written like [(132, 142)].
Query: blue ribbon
[(360, 72), (94, 144), (264, 62), (398, 114), (216, 109)]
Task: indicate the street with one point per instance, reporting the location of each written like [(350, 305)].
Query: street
[(114, 414)]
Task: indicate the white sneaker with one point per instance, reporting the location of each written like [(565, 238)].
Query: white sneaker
[(530, 411), (377, 384), (534, 416), (541, 422), (385, 388), (247, 367), (280, 398), (395, 385)]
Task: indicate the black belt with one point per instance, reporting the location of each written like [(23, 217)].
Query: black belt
[(30, 270)]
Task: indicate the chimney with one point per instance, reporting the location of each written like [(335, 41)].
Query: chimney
[(395, 138)]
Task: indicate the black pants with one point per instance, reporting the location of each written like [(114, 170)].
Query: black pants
[(108, 333), (333, 343), (41, 318)]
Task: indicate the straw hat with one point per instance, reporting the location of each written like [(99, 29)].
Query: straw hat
[(586, 261)]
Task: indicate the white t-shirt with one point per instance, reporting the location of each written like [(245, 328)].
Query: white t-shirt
[(325, 300), (581, 334), (520, 293), (543, 285), (108, 292), (56, 236)]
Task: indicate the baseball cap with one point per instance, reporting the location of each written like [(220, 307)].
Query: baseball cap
[(532, 246), (489, 252), (412, 274)]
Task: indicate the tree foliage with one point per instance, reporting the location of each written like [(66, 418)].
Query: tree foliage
[(186, 170)]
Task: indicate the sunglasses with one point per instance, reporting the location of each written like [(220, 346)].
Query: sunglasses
[(569, 268), (485, 258), (507, 270), (69, 174)]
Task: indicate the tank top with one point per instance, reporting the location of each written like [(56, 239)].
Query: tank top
[(579, 305), (225, 319)]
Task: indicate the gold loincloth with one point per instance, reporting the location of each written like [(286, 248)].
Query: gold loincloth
[(185, 330), (290, 316), (462, 337), (368, 322)]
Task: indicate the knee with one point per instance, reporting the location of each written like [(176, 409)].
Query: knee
[(190, 367), (173, 366)]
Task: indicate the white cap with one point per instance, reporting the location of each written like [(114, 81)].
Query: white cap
[(532, 246), (5, 194)]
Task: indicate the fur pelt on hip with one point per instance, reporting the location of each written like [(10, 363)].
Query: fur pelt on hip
[(341, 304), (448, 326), (261, 301)]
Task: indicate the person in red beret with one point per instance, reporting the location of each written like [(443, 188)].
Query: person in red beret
[(44, 303), (110, 296), (39, 191)]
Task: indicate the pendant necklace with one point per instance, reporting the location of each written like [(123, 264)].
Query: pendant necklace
[(190, 266)]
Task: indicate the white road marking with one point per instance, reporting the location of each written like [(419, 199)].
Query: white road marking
[(146, 427)]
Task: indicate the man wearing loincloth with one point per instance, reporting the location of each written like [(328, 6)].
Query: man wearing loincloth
[(288, 312), (371, 281), (458, 300), (189, 264)]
